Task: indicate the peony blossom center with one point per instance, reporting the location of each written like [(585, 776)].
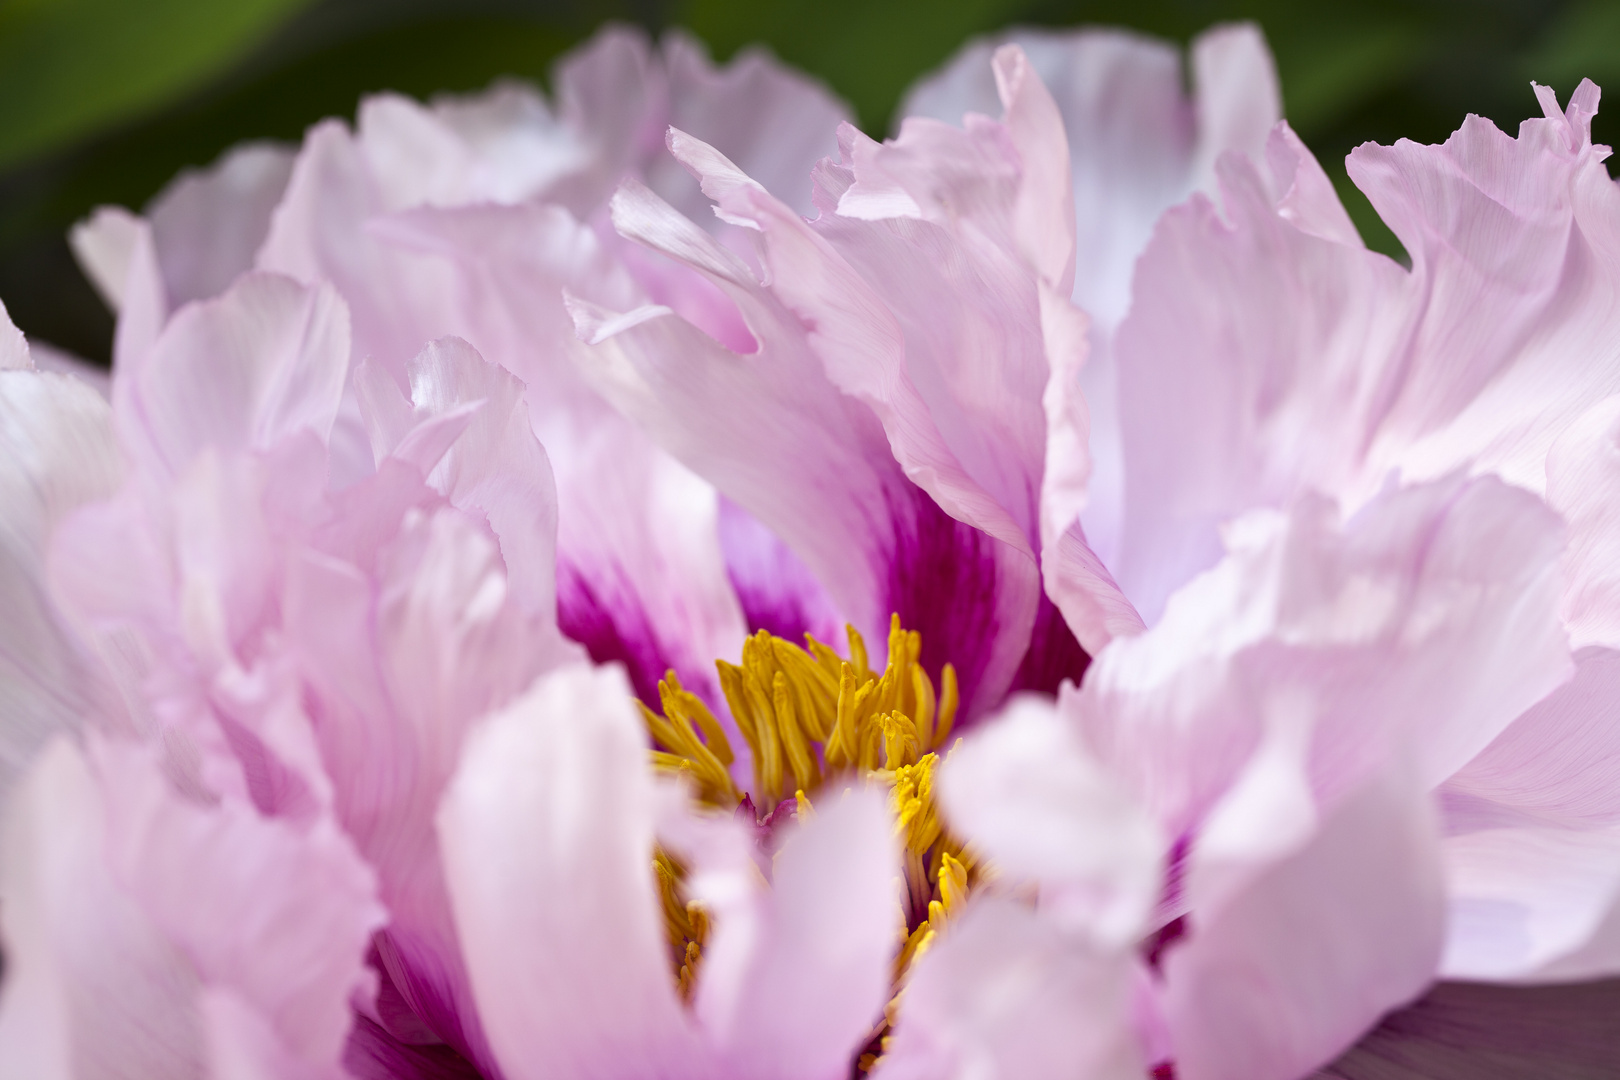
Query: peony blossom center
[(815, 722)]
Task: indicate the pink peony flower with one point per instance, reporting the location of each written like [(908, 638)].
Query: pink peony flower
[(1345, 814), (435, 446)]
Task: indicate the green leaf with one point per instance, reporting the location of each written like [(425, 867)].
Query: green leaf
[(70, 67)]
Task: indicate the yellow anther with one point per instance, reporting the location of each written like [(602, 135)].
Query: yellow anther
[(857, 654), (802, 808), (829, 660), (686, 925), (916, 818), (686, 978), (899, 739), (947, 706), (953, 883), (797, 747), (705, 762), (922, 690), (916, 944)]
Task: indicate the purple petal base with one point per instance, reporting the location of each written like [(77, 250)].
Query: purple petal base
[(373, 1054)]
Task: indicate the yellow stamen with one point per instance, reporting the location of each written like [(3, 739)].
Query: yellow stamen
[(686, 925), (812, 719), (806, 714)]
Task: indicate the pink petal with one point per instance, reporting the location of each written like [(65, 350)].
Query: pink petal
[(1003, 993), (1531, 904), (405, 649), (502, 145), (1583, 480), (318, 233), (243, 1046), (495, 467), (772, 120), (1282, 395), (1025, 793), (280, 914), (1289, 971), (642, 579), (92, 987), (207, 225), (1556, 764), (49, 358), (792, 984), (56, 453), (261, 363), (1516, 334), (951, 355), (1137, 146), (620, 96), (773, 434), (547, 834), (1533, 871), (1420, 627)]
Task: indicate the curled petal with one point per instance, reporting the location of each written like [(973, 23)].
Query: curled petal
[(1003, 993), (547, 834)]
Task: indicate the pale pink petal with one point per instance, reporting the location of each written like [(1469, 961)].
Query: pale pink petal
[(494, 276), (261, 363), (1525, 904), (57, 453), (611, 93), (773, 121), (1003, 994), (280, 914), (502, 145), (242, 1045), (1238, 99), (1422, 626), (1137, 146), (620, 96), (408, 635), (641, 577), (319, 233), (792, 985), (1026, 793), (1557, 764), (494, 467), (547, 835), (1534, 863), (207, 225), (773, 434), (92, 988), (143, 309), (868, 278), (103, 244), (48, 357), (1583, 484), (1287, 972), (1511, 243), (936, 323), (1076, 580), (1251, 368)]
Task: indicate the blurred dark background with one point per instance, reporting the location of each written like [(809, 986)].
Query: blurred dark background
[(102, 101)]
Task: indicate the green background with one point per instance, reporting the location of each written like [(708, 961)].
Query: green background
[(102, 101)]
